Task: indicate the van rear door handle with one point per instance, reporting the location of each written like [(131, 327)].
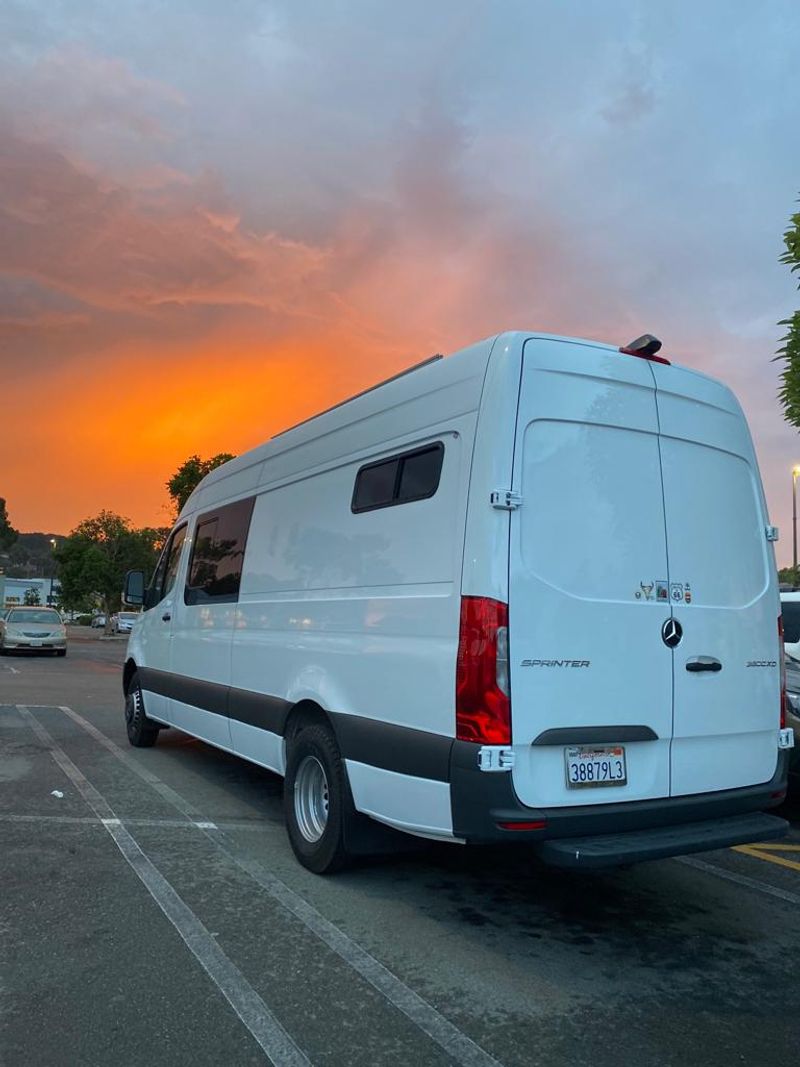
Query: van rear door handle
[(704, 663), (166, 617)]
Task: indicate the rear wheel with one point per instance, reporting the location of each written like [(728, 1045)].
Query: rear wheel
[(61, 652), (316, 800), (142, 732)]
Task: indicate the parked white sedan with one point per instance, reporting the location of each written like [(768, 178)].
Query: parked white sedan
[(122, 622), (32, 630)]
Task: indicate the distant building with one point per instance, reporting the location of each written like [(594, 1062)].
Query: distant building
[(13, 590)]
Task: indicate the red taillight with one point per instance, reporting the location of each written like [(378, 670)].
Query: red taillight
[(782, 658), (540, 825), (483, 707), (643, 355)]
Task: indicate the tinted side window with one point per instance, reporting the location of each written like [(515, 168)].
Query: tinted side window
[(153, 592), (215, 569), (399, 480), (375, 485), (790, 610), (173, 560), (419, 474)]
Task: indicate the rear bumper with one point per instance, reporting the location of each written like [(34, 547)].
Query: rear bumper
[(611, 850), (481, 801)]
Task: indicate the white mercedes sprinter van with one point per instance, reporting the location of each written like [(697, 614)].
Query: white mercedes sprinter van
[(526, 593)]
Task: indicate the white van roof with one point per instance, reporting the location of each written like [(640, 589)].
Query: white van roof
[(466, 367)]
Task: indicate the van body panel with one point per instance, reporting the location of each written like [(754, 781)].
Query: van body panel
[(151, 644), (485, 569), (612, 465), (259, 745), (358, 611), (201, 638), (417, 805), (723, 588), (151, 641), (587, 549)]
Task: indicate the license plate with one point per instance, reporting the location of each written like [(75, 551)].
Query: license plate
[(36, 644), (590, 765)]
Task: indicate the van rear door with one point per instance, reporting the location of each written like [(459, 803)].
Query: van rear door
[(587, 565), (723, 589)]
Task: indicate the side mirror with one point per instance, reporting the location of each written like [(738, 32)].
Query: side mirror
[(133, 592)]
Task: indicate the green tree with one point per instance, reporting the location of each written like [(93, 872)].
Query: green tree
[(789, 576), (789, 392), (31, 598), (189, 475), (93, 560), (8, 534)]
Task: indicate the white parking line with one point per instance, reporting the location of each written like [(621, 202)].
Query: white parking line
[(248, 1005), (740, 879), (171, 824), (453, 1041)]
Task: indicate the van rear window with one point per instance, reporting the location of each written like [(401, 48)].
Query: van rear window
[(399, 479), (215, 569), (790, 610)]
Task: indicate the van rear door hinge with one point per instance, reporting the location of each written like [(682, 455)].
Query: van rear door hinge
[(495, 758), (505, 499)]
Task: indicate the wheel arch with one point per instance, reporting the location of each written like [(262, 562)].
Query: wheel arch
[(128, 672), (304, 713)]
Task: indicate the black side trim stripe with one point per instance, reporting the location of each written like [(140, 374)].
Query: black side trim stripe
[(394, 748), (258, 709), (209, 696), (380, 744), (595, 735)]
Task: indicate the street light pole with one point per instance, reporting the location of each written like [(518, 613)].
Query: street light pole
[(795, 472), (52, 549)]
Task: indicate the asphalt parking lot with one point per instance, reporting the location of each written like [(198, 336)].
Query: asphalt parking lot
[(153, 913)]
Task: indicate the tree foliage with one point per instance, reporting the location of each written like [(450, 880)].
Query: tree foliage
[(189, 475), (8, 534), (31, 599), (93, 560), (31, 555), (789, 392)]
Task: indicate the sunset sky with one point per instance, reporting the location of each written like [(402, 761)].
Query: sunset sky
[(218, 217)]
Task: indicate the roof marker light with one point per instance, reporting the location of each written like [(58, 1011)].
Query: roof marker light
[(645, 347)]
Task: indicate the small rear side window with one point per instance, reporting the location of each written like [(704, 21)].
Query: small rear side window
[(399, 479), (790, 610)]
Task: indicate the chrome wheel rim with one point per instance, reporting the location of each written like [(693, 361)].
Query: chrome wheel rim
[(311, 798), (132, 704)]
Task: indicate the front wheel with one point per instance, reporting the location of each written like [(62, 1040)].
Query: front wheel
[(316, 800), (142, 732)]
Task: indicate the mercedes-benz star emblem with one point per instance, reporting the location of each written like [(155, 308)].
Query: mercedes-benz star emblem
[(671, 633)]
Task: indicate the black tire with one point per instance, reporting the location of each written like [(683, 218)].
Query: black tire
[(61, 652), (315, 744), (142, 732)]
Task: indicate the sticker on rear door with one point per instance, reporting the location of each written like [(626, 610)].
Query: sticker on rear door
[(662, 591)]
